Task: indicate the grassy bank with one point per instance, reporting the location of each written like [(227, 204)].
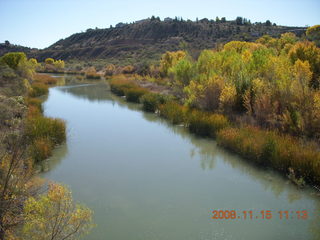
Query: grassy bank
[(298, 159), (43, 133)]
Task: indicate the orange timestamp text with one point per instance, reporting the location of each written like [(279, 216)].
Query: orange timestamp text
[(259, 214)]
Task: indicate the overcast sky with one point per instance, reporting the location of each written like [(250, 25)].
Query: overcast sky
[(40, 23)]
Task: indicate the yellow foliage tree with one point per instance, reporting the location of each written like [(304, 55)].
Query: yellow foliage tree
[(169, 59), (313, 33), (49, 61), (55, 216), (227, 98), (308, 51)]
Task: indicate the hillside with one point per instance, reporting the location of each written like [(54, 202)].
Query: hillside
[(147, 39)]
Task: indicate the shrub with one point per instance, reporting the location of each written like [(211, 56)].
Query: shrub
[(93, 76), (110, 70), (282, 152), (14, 59), (38, 89), (133, 94), (128, 69), (174, 112), (119, 86), (206, 124), (45, 79), (34, 102), (42, 127), (151, 101), (49, 61), (41, 149)]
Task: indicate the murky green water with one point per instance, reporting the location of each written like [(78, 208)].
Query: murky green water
[(146, 179)]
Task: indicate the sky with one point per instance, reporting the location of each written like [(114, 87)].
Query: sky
[(40, 23)]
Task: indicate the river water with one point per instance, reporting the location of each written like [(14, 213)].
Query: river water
[(146, 179)]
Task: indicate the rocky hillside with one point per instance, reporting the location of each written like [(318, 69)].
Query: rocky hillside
[(147, 39)]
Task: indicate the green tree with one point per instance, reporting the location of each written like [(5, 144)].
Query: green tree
[(268, 23), (184, 72)]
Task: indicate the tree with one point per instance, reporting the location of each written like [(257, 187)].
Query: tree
[(59, 64), (169, 59), (223, 20), (14, 59), (110, 70), (183, 72), (49, 61), (313, 34), (239, 21), (15, 183), (268, 23), (308, 51), (54, 216)]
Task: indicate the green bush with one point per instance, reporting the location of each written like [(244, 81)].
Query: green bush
[(42, 127), (133, 94), (174, 112), (13, 59), (151, 101), (119, 87), (206, 124)]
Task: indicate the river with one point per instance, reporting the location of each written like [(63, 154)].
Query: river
[(147, 179)]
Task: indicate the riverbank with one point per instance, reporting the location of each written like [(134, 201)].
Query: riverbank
[(298, 160), (27, 137)]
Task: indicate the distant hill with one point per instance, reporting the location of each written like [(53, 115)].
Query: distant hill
[(8, 47), (147, 39)]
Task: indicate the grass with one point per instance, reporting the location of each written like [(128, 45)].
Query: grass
[(45, 79), (43, 127), (43, 133), (151, 101), (35, 103), (38, 89), (41, 149), (206, 124), (269, 148), (134, 94), (120, 86), (174, 112)]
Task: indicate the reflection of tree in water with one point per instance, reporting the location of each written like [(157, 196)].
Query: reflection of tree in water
[(91, 92), (209, 153)]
